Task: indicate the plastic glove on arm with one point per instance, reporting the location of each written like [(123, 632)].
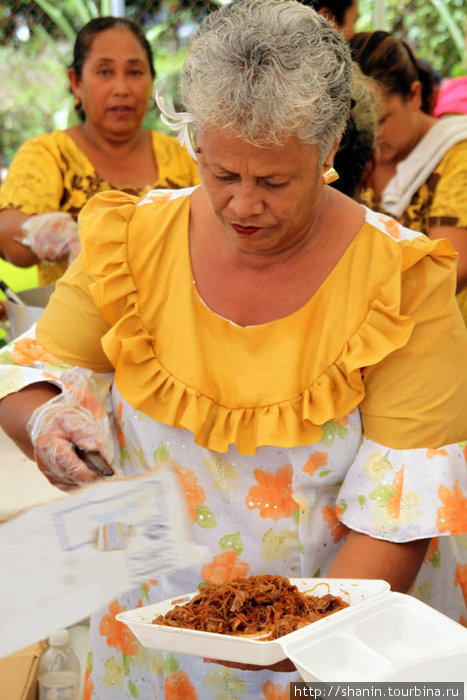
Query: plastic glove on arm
[(52, 237), (66, 428)]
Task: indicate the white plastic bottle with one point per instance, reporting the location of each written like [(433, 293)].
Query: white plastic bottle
[(59, 672)]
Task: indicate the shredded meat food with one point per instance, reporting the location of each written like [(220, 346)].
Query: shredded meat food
[(266, 606)]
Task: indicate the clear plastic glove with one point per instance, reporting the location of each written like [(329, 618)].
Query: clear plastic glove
[(52, 237), (75, 418)]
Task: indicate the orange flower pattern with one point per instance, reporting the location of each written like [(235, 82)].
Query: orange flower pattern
[(391, 227), (315, 461), (452, 517), (225, 566), (116, 633), (193, 492), (434, 452), (394, 503), (27, 351), (337, 529), (179, 687), (275, 691), (88, 685), (272, 495), (118, 426)]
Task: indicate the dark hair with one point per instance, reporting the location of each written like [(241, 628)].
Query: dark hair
[(337, 7), (86, 35), (392, 63), (355, 154)]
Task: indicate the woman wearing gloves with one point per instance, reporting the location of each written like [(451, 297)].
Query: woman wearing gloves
[(297, 358), (54, 175)]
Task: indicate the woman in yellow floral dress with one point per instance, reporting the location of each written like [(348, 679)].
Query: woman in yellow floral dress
[(421, 173), (112, 80), (296, 357)]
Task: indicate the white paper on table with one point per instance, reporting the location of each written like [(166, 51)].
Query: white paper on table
[(52, 572)]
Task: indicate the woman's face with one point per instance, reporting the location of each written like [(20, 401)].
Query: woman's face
[(116, 83), (265, 198), (398, 131), (347, 28)]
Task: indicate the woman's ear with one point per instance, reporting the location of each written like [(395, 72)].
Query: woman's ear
[(329, 159), (328, 14), (415, 97), (74, 81)]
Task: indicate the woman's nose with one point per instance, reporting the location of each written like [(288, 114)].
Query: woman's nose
[(120, 85), (246, 202)]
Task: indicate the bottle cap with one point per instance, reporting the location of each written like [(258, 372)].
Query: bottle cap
[(58, 638)]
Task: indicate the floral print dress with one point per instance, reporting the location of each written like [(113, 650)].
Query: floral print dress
[(274, 488)]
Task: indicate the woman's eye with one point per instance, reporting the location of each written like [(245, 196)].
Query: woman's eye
[(274, 185), (224, 178)]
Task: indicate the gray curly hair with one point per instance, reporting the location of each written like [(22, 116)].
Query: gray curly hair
[(268, 69)]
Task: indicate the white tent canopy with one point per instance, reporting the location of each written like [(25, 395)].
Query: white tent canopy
[(117, 8), (379, 15)]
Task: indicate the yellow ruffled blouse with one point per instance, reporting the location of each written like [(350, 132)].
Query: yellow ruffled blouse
[(51, 173), (383, 333)]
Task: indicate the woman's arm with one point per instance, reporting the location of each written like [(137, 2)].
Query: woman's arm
[(16, 409), (362, 556), (458, 238), (11, 221)]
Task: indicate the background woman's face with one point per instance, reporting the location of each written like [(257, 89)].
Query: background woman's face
[(347, 28), (397, 127), (116, 82)]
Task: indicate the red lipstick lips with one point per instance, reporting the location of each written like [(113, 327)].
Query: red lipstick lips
[(245, 230)]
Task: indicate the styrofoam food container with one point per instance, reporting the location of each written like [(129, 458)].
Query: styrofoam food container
[(238, 649), (393, 637)]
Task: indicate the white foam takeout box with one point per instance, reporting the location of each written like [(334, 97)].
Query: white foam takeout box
[(381, 636)]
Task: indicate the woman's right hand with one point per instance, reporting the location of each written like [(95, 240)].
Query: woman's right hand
[(73, 422), (53, 237), (56, 428)]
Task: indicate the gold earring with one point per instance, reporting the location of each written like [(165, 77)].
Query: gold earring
[(78, 105), (330, 175)]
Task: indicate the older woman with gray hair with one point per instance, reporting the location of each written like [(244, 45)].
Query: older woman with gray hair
[(297, 358)]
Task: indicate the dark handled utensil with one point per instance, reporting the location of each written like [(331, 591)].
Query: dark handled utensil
[(95, 461), (10, 295)]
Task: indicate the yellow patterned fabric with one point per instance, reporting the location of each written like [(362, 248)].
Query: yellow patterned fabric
[(51, 173), (380, 346), (441, 200)]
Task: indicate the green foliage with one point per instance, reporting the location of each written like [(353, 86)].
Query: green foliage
[(34, 93), (436, 29)]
